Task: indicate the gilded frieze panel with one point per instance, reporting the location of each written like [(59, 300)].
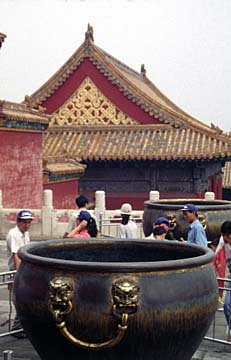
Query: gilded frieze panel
[(89, 106)]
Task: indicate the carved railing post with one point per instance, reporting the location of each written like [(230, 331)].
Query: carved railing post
[(99, 204), (47, 213), (154, 195), (209, 195)]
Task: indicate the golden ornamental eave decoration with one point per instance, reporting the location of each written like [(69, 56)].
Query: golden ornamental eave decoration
[(89, 106)]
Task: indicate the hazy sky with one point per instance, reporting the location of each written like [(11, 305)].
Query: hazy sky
[(184, 44)]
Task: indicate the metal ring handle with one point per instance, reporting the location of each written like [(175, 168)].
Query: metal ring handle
[(125, 297), (121, 329)]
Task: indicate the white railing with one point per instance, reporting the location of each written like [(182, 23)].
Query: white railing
[(212, 333), (51, 223), (6, 283)]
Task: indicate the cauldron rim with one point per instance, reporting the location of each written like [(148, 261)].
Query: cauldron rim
[(25, 253), (201, 204)]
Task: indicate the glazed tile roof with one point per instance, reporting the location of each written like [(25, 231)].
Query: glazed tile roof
[(137, 142), (22, 113), (62, 165)]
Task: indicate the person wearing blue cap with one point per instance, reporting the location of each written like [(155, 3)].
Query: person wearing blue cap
[(16, 238), (160, 229), (196, 232), (85, 226)]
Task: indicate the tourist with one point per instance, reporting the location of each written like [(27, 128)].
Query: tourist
[(82, 203), (15, 239), (127, 227), (160, 229), (196, 232), (81, 231), (219, 263), (225, 243)]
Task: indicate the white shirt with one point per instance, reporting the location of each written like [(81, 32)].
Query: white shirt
[(14, 240), (128, 231)]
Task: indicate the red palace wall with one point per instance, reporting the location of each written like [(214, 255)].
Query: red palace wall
[(64, 194), (215, 185), (114, 201), (21, 169)]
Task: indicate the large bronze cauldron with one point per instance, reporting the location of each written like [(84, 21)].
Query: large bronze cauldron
[(211, 214), (110, 299)]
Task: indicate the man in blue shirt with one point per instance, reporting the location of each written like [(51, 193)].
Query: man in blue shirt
[(196, 232)]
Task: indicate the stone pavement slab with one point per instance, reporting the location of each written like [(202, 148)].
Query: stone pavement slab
[(23, 350), (212, 351)]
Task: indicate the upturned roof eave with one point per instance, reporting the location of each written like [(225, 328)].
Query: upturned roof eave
[(174, 109), (171, 108)]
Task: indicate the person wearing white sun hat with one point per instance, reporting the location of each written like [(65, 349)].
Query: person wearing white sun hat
[(127, 227)]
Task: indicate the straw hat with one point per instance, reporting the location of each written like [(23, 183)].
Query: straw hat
[(126, 209)]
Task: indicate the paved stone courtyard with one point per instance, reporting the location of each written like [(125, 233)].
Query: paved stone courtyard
[(22, 349)]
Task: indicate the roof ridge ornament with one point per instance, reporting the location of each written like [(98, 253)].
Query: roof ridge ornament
[(217, 129), (89, 33), (89, 38), (143, 70), (27, 101), (2, 38)]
